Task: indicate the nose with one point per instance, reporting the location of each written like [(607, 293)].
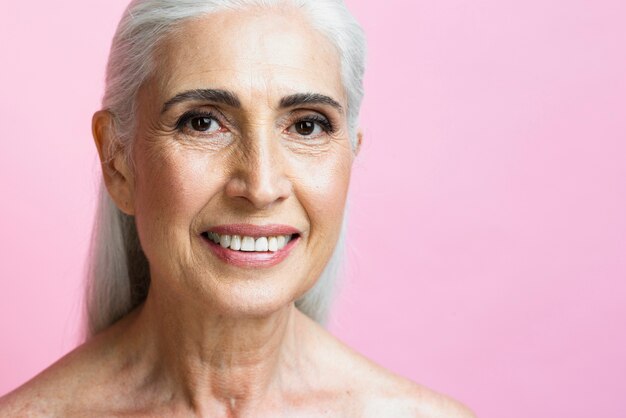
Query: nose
[(259, 172)]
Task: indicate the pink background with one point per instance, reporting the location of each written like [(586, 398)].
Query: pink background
[(487, 253)]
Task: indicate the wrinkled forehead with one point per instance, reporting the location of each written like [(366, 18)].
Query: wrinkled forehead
[(256, 53)]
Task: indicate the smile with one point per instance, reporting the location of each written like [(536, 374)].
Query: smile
[(245, 243), (250, 245)]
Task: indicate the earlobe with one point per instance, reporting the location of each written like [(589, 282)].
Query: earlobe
[(359, 141), (115, 170)]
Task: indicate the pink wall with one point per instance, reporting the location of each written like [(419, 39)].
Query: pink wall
[(488, 228)]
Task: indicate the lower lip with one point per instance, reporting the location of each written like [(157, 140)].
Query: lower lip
[(251, 258)]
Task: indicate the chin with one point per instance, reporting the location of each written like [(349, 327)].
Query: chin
[(252, 298)]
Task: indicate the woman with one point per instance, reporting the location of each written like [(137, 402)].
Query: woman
[(227, 136)]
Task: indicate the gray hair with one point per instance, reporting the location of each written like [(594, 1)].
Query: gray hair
[(118, 274)]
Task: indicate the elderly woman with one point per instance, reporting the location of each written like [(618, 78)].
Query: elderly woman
[(227, 136)]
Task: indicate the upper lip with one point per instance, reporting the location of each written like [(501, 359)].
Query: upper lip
[(254, 231)]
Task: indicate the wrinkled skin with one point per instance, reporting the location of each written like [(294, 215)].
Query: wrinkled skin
[(215, 339)]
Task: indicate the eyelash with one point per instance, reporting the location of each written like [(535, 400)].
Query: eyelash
[(187, 116), (324, 123)]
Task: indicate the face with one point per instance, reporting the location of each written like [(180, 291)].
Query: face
[(241, 137)]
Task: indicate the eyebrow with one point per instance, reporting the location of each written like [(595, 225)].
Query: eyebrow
[(309, 98), (230, 99), (209, 95)]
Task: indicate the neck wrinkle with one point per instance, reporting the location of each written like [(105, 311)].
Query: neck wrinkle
[(235, 362)]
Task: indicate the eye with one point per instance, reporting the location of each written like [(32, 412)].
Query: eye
[(203, 124), (311, 126), (199, 123), (306, 127)]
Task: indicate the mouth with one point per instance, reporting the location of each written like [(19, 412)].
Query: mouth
[(250, 245)]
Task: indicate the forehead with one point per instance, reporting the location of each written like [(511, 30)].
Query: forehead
[(253, 52)]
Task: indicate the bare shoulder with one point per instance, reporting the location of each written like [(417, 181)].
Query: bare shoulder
[(381, 393), (20, 403), (64, 388), (43, 395), (390, 395), (407, 399)]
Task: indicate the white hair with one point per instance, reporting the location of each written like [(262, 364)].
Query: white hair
[(118, 276)]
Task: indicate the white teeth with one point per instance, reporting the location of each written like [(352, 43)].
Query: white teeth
[(239, 243), (272, 244), (247, 244), (235, 243), (261, 244), (225, 241)]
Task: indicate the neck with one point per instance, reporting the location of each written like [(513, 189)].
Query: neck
[(213, 360)]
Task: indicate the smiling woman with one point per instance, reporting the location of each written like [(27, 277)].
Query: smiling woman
[(227, 136)]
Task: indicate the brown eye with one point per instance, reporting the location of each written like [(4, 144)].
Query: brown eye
[(306, 128), (203, 124)]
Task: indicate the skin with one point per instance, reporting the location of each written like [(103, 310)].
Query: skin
[(213, 339)]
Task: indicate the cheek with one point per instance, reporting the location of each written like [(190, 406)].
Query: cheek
[(322, 194), (171, 189), (324, 190)]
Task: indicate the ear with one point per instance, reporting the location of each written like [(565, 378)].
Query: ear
[(359, 141), (115, 170)]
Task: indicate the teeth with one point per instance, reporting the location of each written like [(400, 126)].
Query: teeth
[(225, 241), (239, 243), (247, 244), (235, 243), (272, 244), (261, 244)]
